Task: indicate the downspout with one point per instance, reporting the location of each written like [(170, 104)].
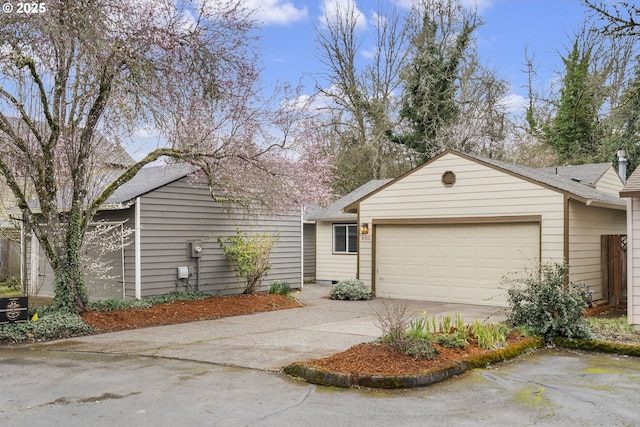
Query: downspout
[(138, 257), (124, 277), (566, 249), (301, 248), (630, 267)]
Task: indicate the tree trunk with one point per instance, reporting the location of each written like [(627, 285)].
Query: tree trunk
[(70, 290)]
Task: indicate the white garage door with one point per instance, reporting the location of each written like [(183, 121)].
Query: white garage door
[(452, 263)]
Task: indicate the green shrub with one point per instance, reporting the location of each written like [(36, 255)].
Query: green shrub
[(542, 301), (281, 288), (490, 336), (177, 296), (419, 328), (249, 256), (418, 348), (53, 325), (113, 304), (350, 289)]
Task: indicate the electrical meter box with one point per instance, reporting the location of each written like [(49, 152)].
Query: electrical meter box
[(183, 272), (196, 249)]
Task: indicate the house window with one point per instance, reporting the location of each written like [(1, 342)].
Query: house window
[(345, 238)]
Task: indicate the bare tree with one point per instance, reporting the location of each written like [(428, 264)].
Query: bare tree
[(188, 68), (364, 97), (620, 18)]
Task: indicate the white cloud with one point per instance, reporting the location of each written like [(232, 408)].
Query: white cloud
[(514, 103), (276, 12), (477, 5), (333, 8)]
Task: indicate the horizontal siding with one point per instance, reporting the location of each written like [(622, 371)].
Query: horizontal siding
[(633, 245), (586, 225), (309, 251), (479, 191), (183, 211), (610, 182), (332, 267)]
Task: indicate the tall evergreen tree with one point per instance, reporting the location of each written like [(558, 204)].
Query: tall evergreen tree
[(572, 130), (428, 101)]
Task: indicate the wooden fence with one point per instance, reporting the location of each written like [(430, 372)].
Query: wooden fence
[(614, 267)]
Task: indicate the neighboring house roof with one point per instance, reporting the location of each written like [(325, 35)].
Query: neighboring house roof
[(587, 174), (335, 212), (632, 187), (547, 177), (146, 180)]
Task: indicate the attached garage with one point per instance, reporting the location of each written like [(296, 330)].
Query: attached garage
[(460, 263), (452, 228)]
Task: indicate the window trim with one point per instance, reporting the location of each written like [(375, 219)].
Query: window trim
[(347, 226)]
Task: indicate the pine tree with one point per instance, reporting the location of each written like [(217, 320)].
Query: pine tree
[(572, 131), (428, 102)]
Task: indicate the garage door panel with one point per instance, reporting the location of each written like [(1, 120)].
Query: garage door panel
[(452, 263)]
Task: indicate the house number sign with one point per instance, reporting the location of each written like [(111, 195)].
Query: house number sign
[(13, 309)]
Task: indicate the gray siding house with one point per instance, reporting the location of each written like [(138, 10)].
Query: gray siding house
[(161, 215)]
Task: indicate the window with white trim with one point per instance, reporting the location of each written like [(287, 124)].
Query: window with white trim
[(345, 238)]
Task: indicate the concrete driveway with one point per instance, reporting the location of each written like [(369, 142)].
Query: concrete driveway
[(219, 373), (272, 340)]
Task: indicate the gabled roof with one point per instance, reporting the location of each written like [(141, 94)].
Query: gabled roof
[(546, 177), (632, 187), (335, 212), (146, 180)]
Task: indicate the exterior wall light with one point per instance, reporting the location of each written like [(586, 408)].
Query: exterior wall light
[(364, 228)]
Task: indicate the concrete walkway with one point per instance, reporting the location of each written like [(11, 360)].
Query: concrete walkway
[(268, 341)]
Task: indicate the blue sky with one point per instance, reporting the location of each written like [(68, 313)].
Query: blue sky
[(290, 55), (545, 26)]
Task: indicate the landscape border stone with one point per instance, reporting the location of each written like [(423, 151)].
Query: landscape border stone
[(600, 346), (319, 376)]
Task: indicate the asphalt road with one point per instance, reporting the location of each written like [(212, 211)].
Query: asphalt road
[(45, 386)]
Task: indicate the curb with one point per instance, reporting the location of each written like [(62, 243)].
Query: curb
[(599, 346), (315, 375)]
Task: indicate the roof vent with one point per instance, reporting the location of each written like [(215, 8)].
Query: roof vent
[(448, 179), (576, 179)]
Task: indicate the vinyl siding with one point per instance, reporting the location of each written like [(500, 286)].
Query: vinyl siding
[(586, 225), (331, 267), (633, 246), (97, 287), (171, 216), (309, 251), (479, 191), (183, 211), (610, 182)]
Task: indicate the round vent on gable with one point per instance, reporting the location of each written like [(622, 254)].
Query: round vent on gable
[(448, 179)]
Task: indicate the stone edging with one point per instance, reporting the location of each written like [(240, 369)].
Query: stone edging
[(320, 376), (600, 346)]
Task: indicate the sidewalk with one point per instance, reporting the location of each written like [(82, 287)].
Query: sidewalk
[(267, 341)]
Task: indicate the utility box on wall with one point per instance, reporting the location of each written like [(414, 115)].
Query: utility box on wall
[(183, 272), (196, 249)]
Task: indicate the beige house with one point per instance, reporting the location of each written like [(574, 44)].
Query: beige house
[(336, 237), (631, 191), (450, 229)]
